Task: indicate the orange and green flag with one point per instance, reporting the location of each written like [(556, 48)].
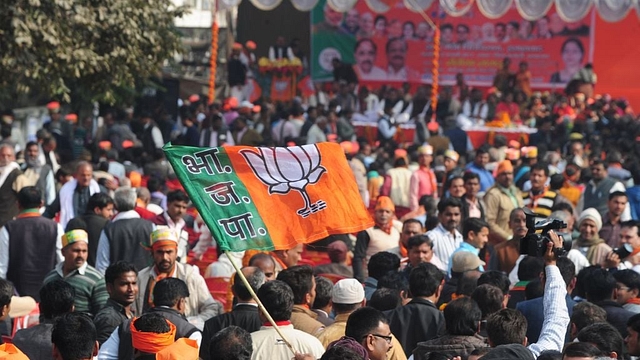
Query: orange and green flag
[(271, 198)]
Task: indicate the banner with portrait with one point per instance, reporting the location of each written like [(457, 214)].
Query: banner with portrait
[(397, 46)]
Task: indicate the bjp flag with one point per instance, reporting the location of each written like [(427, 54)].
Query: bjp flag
[(271, 198)]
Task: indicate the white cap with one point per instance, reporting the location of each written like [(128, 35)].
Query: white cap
[(347, 291), (246, 104)]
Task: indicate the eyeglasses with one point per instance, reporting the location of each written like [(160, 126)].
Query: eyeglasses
[(388, 339), (624, 288)]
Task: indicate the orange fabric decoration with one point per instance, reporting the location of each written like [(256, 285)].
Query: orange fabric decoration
[(213, 62), (149, 342), (136, 179)]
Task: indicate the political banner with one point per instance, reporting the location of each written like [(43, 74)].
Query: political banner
[(270, 198), (397, 46)]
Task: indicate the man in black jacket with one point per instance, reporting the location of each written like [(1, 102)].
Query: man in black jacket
[(121, 279), (100, 209), (600, 291), (419, 320), (169, 297), (245, 313)]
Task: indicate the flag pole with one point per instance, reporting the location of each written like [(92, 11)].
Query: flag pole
[(260, 306)]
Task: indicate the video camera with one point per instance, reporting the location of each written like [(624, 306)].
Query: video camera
[(537, 238)]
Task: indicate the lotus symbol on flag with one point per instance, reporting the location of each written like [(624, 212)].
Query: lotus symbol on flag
[(291, 168)]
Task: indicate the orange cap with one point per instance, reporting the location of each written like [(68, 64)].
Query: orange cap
[(385, 203), (256, 108), (332, 138), (250, 45), (71, 117), (433, 126), (194, 98), (514, 144), (237, 46), (127, 144), (136, 179), (504, 166), (54, 105), (399, 154), (105, 145)]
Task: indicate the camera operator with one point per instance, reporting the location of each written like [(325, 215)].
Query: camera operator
[(628, 255), (505, 326)]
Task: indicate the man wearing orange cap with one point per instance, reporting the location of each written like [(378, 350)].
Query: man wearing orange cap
[(91, 291), (384, 235), (499, 201), (397, 182), (236, 72), (438, 142), (199, 306), (423, 180)]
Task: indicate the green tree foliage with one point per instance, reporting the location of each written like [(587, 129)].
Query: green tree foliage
[(84, 50)]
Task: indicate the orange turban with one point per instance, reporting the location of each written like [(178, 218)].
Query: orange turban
[(504, 166), (385, 203), (150, 342), (183, 348), (71, 117), (11, 352), (250, 45)]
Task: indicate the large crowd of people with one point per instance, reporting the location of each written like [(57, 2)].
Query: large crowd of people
[(96, 230)]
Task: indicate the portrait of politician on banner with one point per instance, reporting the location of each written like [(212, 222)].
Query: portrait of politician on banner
[(397, 46)]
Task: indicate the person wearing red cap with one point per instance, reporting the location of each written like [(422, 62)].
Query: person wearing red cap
[(383, 236), (397, 182), (237, 72), (337, 252), (423, 180), (439, 142), (499, 201)]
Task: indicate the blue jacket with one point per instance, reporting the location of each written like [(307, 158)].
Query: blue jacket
[(634, 201), (486, 178), (533, 310)]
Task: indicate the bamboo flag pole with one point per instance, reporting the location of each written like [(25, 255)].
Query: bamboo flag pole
[(260, 306)]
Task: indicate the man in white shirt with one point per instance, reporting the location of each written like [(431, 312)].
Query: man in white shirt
[(277, 298), (445, 237), (397, 70)]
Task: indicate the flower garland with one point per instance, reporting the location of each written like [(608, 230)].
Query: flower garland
[(213, 61), (435, 70)]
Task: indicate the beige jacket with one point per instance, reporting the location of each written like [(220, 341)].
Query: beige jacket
[(498, 207), (200, 305), (304, 319)]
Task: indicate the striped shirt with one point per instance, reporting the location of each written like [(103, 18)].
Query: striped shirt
[(91, 291), (444, 243)]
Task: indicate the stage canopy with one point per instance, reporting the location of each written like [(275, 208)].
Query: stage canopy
[(569, 10)]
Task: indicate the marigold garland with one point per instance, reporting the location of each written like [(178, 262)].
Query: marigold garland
[(213, 61), (435, 71)]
